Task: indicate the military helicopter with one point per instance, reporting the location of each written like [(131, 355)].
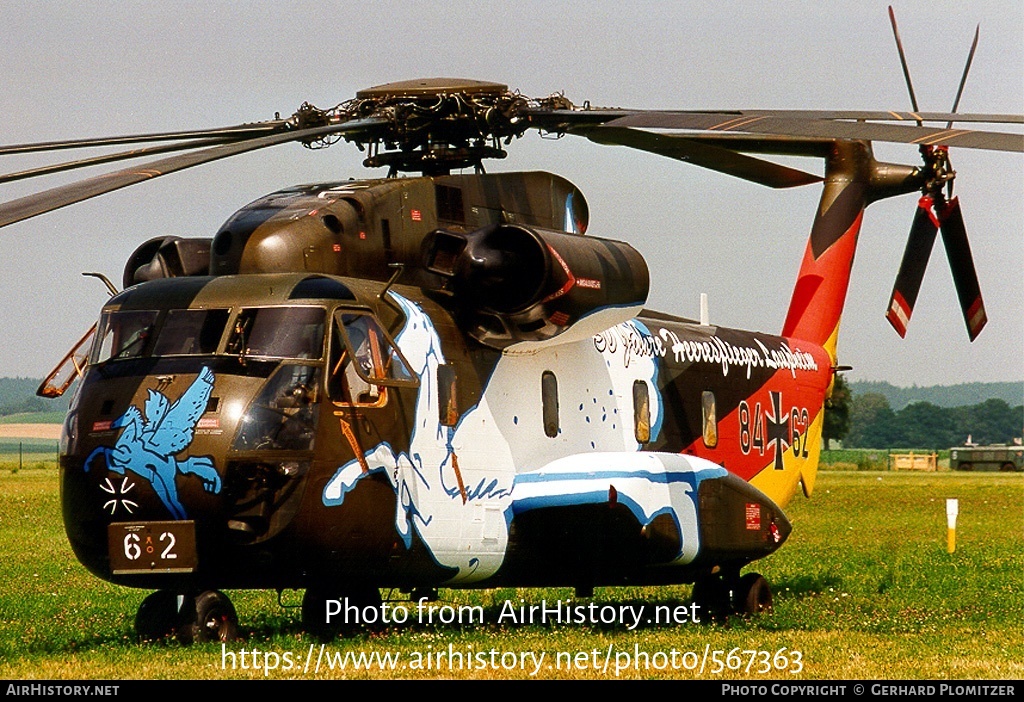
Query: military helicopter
[(438, 379)]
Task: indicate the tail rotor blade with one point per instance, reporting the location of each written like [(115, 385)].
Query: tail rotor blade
[(961, 262), (903, 61), (912, 267)]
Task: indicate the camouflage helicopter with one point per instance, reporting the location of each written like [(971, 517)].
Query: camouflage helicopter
[(440, 380)]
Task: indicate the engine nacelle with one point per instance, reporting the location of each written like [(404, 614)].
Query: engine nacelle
[(517, 283), (167, 257)]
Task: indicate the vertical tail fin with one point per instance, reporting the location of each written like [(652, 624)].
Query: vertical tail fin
[(853, 180), (821, 288), (824, 277)]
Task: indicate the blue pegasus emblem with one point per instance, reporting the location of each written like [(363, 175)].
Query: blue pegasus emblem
[(147, 446)]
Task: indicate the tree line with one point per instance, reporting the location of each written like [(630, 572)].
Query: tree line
[(867, 420), (18, 395)]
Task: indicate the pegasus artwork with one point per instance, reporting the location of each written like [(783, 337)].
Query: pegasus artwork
[(148, 445)]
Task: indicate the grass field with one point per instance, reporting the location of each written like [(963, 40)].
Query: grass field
[(55, 417), (865, 589), (27, 444), (873, 459)]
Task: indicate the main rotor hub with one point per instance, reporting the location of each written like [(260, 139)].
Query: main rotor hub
[(435, 125), (431, 87)]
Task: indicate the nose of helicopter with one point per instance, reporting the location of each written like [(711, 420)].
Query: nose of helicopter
[(184, 463)]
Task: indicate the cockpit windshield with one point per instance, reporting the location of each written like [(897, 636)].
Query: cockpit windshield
[(295, 332), (124, 334), (278, 332), (191, 332)]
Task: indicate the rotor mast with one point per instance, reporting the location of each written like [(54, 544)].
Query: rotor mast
[(433, 126)]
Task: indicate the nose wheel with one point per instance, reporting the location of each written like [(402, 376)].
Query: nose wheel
[(157, 616), (208, 616), (718, 596)]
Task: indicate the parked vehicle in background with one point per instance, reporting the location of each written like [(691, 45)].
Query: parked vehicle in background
[(996, 457)]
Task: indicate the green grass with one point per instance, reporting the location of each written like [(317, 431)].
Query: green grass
[(872, 459), (27, 453), (864, 588)]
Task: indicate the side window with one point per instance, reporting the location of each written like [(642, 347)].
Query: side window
[(641, 412), (710, 423), (447, 399), (344, 383), (364, 361), (549, 403)]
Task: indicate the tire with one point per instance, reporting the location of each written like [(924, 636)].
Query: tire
[(711, 599), (1008, 467), (752, 595), (157, 617), (314, 614), (966, 466), (209, 616)]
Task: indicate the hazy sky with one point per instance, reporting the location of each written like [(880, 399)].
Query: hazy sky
[(77, 69)]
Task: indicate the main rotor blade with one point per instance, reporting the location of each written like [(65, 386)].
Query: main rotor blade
[(243, 131), (903, 60), (889, 116), (961, 263), (111, 158), (61, 196), (832, 129), (715, 158), (963, 78), (912, 267)]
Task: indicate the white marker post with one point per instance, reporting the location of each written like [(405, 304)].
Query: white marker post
[(952, 509)]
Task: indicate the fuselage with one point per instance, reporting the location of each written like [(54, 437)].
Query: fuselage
[(283, 415), (310, 428)]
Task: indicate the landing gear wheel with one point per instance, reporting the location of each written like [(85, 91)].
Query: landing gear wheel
[(157, 616), (711, 598), (752, 595), (314, 613), (209, 616), (718, 596), (314, 610)]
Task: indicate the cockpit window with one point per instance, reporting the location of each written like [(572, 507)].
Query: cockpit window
[(364, 360), (377, 359), (284, 415), (123, 334), (278, 332), (190, 332), (295, 332)]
